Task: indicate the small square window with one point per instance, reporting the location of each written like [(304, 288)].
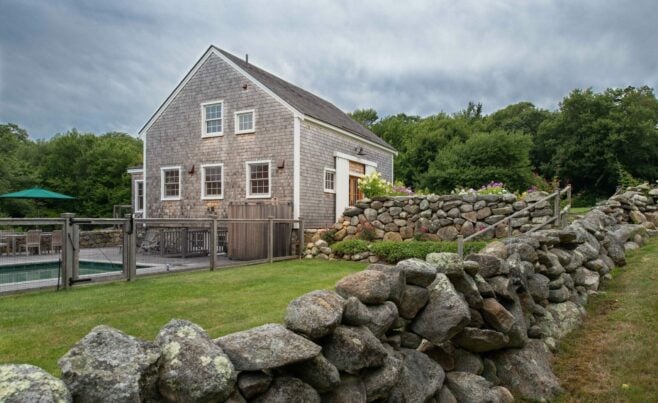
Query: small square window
[(329, 180), (171, 183), (139, 195), (213, 119), (244, 122), (258, 179)]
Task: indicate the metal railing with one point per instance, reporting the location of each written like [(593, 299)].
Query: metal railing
[(202, 240), (559, 215)]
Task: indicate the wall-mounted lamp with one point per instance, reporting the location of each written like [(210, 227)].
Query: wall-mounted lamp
[(281, 164), (359, 151), (191, 171)]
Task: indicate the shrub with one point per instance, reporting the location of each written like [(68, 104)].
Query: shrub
[(373, 185), (350, 247), (367, 232), (394, 252), (493, 188), (328, 236)]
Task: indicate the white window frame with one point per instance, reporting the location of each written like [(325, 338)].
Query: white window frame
[(136, 199), (162, 182), (237, 122), (324, 180), (203, 182), (248, 180), (204, 134)]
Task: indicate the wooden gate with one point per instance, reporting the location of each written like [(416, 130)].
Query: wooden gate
[(248, 241)]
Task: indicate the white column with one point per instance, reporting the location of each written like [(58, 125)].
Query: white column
[(342, 185)]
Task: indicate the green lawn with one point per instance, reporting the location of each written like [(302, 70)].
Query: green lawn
[(38, 328), (613, 357)]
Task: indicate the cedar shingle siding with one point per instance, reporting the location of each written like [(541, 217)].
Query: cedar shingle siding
[(173, 138)]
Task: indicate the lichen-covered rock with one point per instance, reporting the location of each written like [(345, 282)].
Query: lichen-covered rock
[(318, 372), (355, 312), (419, 379), (266, 346), (369, 286), (527, 371), (465, 361), (414, 299), (27, 383), (481, 340), (503, 287), (496, 315), (192, 367), (315, 314), (465, 284), (379, 381), (445, 315), (495, 248), (396, 279), (489, 265), (538, 287), (351, 349), (417, 272), (253, 383), (447, 263), (587, 278), (289, 389), (107, 365), (561, 319), (471, 388), (350, 390), (445, 395), (381, 317)]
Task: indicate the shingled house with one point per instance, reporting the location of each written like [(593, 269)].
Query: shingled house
[(231, 132)]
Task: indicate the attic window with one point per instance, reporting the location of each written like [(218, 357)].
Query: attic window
[(245, 121), (212, 119)]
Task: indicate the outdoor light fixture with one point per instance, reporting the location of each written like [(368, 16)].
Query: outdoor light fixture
[(359, 151)]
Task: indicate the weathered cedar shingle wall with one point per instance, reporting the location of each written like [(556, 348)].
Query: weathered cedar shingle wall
[(175, 139), (318, 145)]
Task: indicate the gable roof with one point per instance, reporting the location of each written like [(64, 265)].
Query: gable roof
[(300, 100)]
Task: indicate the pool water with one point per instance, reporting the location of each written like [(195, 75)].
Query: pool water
[(16, 273)]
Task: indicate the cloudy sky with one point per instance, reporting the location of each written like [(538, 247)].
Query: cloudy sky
[(107, 65)]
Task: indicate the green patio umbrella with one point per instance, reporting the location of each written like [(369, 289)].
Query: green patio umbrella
[(35, 193)]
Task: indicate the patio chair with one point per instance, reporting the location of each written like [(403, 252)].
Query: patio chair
[(5, 242), (56, 240), (151, 241), (32, 240)]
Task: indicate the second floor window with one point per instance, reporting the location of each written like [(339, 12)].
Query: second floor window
[(212, 178), (244, 122), (170, 183), (213, 119), (258, 179), (139, 195)]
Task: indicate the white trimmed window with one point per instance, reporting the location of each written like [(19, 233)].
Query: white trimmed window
[(212, 181), (258, 179), (212, 116), (330, 180), (139, 196), (245, 121), (170, 181)]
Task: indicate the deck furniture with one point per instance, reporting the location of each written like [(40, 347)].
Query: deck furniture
[(56, 241), (5, 241), (151, 241), (33, 240)]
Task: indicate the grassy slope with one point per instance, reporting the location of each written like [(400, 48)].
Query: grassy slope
[(613, 357), (38, 328)]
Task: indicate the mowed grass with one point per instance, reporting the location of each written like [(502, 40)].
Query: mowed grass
[(613, 357), (38, 328)]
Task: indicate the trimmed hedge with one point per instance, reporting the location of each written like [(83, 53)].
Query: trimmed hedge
[(393, 252), (350, 247)]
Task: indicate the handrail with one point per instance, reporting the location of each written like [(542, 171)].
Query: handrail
[(31, 221)]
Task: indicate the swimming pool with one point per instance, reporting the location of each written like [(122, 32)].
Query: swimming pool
[(20, 272)]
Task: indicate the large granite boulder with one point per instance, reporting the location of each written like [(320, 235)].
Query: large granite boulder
[(253, 383), (369, 286), (527, 371), (289, 389), (419, 379), (350, 390), (471, 388), (192, 367), (318, 372), (489, 265), (379, 381), (417, 272), (497, 316), (481, 340), (381, 317), (315, 314), (414, 299), (107, 365), (351, 349), (445, 315), (447, 263), (27, 383), (266, 346), (396, 278)]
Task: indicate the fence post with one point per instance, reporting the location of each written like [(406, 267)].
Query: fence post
[(213, 244), (67, 250), (460, 246), (132, 249), (300, 237), (556, 205), (270, 240), (75, 268)]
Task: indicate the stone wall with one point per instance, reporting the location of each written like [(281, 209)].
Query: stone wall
[(101, 238), (435, 330)]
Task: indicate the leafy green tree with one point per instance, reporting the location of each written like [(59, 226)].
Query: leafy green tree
[(367, 117), (595, 137)]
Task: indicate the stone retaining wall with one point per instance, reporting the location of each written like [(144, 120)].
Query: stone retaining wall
[(101, 238), (435, 330)]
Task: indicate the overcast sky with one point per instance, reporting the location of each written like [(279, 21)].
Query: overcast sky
[(107, 65)]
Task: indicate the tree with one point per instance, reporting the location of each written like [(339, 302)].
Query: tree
[(596, 136), (367, 117)]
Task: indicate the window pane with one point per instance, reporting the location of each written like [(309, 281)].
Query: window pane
[(259, 178), (213, 181), (171, 186), (246, 121), (329, 180), (140, 196), (214, 126), (213, 111)]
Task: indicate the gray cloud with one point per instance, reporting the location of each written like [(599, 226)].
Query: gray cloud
[(105, 66)]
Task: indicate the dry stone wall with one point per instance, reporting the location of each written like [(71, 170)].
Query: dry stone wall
[(441, 329)]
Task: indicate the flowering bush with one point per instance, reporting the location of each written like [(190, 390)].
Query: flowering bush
[(493, 188), (459, 190), (373, 185), (399, 189)]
